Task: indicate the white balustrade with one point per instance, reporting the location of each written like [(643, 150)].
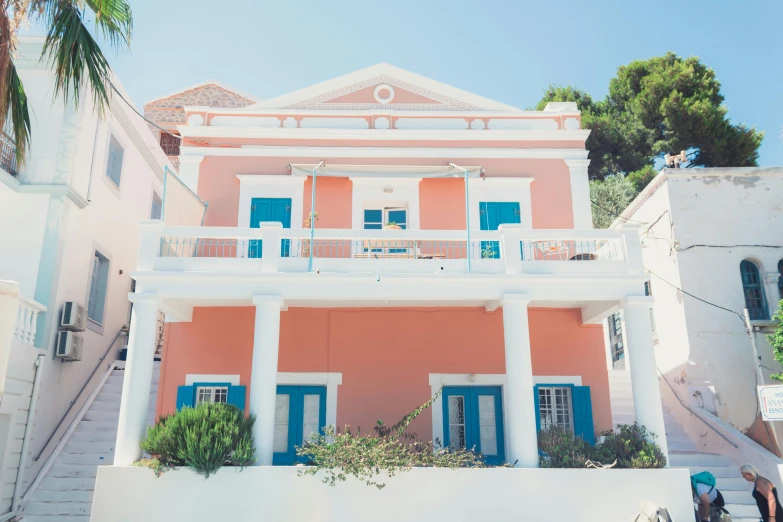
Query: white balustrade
[(511, 249), (26, 321)]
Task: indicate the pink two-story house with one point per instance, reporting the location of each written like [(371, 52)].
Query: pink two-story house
[(452, 247)]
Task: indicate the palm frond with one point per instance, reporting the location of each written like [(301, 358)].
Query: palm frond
[(114, 19), (75, 55), (18, 111)]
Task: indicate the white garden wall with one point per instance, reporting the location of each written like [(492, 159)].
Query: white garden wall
[(277, 494)]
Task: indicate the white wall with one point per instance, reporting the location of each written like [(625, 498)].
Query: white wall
[(276, 494), (705, 352), (65, 209)]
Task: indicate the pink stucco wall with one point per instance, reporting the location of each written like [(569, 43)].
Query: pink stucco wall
[(384, 355), (441, 201), (366, 95)]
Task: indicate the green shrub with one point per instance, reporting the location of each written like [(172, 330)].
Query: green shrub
[(627, 447), (203, 438), (630, 445), (562, 449)]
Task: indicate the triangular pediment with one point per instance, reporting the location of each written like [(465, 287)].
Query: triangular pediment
[(384, 86)]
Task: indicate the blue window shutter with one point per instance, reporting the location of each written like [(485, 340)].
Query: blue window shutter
[(236, 396), (538, 407), (185, 396), (583, 413)]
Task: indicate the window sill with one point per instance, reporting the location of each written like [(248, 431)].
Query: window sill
[(94, 326), (112, 186)]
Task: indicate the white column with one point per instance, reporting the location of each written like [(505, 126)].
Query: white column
[(263, 376), (520, 410), (633, 247), (644, 373), (189, 167), (9, 323), (580, 194), (138, 379)]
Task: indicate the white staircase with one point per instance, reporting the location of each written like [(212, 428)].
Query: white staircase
[(683, 452), (65, 493)]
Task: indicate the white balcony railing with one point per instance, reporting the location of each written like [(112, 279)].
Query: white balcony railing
[(271, 248), (27, 320)]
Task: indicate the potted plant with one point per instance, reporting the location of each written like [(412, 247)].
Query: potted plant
[(306, 242), (391, 225)]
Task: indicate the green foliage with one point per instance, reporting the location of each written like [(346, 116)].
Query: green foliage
[(609, 198), (77, 58), (627, 447), (662, 105), (642, 177), (776, 340), (631, 445), (155, 465), (204, 438), (389, 451)]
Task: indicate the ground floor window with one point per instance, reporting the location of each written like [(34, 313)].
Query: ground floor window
[(300, 413), (565, 406), (211, 392), (473, 418)]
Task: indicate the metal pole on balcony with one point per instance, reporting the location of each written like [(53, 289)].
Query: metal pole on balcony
[(312, 218), (467, 208)]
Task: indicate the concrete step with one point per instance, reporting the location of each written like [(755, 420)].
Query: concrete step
[(101, 415), (735, 496), (82, 448), (114, 389), (66, 484), (681, 445), (695, 458), (94, 436), (62, 496), (73, 470), (61, 518), (86, 425), (113, 398), (94, 459), (743, 511), (717, 471), (58, 508)]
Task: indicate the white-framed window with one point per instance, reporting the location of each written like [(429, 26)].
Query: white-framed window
[(114, 161), (99, 283), (156, 208), (555, 407), (378, 217), (211, 394)]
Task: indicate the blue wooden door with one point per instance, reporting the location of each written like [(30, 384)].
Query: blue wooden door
[(266, 210), (300, 412), (494, 214), (473, 419)]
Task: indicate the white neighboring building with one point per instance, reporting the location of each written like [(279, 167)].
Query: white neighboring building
[(716, 233), (69, 232)]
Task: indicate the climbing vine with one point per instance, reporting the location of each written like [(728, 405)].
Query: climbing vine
[(776, 340)]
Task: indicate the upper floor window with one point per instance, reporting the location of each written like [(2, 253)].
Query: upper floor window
[(114, 162), (169, 144), (99, 282), (157, 206), (377, 218), (753, 287)]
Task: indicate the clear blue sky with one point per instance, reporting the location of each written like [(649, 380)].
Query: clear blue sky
[(509, 51)]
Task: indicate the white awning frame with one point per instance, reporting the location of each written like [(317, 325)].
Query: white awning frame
[(385, 171)]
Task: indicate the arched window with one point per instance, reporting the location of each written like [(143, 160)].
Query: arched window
[(754, 291)]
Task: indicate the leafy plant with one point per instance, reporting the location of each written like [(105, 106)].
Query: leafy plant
[(203, 438), (776, 340), (389, 451), (488, 252), (154, 464), (391, 224), (627, 447), (631, 445)]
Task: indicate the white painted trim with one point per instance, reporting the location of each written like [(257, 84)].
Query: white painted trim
[(192, 378), (362, 113), (438, 380), (68, 434), (513, 190), (580, 193), (368, 193), (270, 186), (228, 132), (331, 380), (384, 69), (384, 152)]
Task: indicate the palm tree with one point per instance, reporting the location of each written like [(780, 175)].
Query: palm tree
[(69, 47)]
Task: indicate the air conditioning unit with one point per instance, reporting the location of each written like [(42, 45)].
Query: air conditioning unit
[(73, 317), (69, 346)]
